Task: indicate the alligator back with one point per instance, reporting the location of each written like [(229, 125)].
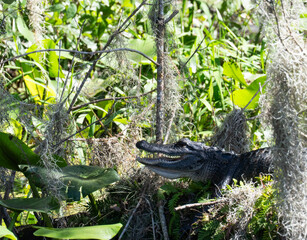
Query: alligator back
[(254, 163)]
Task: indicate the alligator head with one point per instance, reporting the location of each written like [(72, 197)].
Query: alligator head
[(186, 158)]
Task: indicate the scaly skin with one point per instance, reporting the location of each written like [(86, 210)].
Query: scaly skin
[(202, 163)]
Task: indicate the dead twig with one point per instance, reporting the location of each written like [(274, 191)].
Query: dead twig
[(109, 99), (152, 220), (196, 50), (259, 90), (171, 16), (83, 52), (199, 204), (163, 221), (72, 61), (82, 129), (118, 31), (130, 218)]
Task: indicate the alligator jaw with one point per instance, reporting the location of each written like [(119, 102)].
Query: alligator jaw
[(183, 166), (182, 159)]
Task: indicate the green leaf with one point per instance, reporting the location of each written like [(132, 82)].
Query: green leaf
[(87, 179), (92, 127), (44, 205), (146, 46), (211, 90), (51, 57), (57, 7), (24, 30), (5, 233), (231, 69), (14, 152), (13, 127), (71, 10), (103, 232), (242, 97), (77, 179), (8, 2), (206, 103), (37, 90)]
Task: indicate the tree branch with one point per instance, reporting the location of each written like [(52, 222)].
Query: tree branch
[(171, 16), (160, 72), (85, 53), (199, 204), (72, 61), (100, 54), (196, 50), (108, 99)]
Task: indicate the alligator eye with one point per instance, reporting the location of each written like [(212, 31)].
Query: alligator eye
[(181, 143)]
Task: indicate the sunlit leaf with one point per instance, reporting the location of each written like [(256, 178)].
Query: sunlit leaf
[(24, 30), (242, 97), (206, 103), (37, 90), (50, 58), (231, 69), (5, 233), (71, 10), (103, 232), (146, 46), (13, 127)]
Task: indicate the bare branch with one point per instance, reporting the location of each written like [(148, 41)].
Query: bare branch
[(108, 99), (196, 50), (72, 61), (84, 52), (171, 16), (152, 219), (122, 27), (162, 220), (82, 129), (259, 90), (100, 54), (160, 44), (129, 220), (199, 204)]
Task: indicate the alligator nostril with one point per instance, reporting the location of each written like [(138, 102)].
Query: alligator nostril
[(140, 144), (181, 143)]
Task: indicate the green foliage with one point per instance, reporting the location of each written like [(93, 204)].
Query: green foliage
[(103, 232), (175, 194), (49, 61), (44, 205), (211, 230), (5, 233), (13, 152), (228, 48), (242, 97), (264, 224), (76, 180), (231, 69)]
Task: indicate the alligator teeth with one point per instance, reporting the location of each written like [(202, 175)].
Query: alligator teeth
[(159, 155), (168, 156)]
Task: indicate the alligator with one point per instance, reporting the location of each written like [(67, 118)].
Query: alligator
[(199, 162)]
